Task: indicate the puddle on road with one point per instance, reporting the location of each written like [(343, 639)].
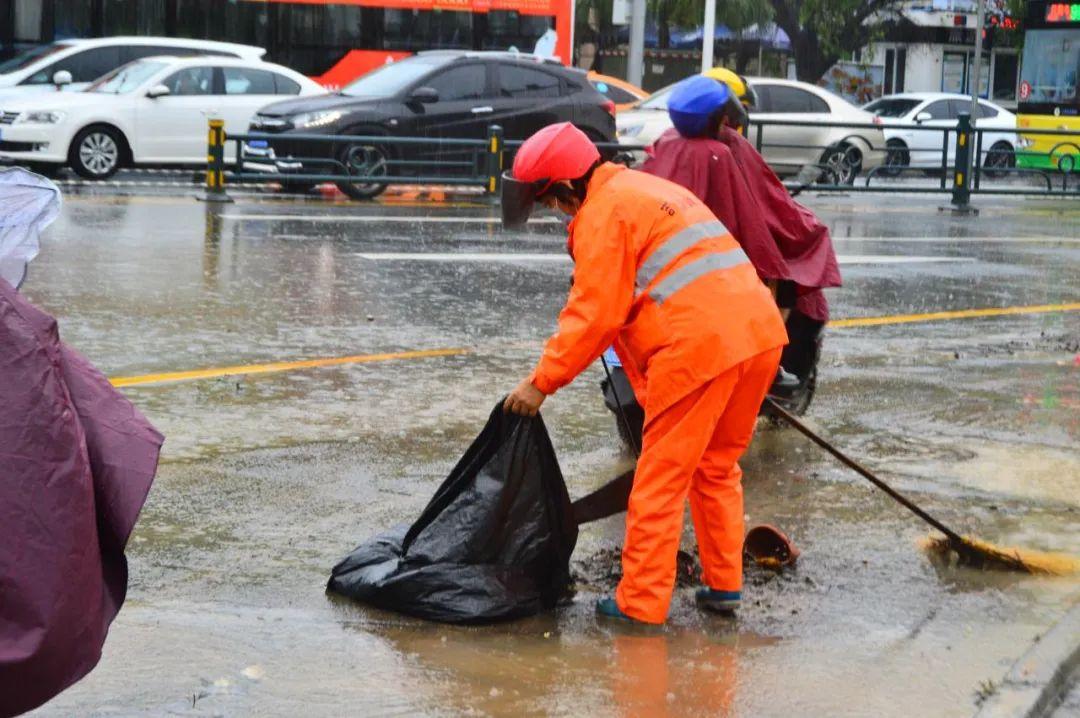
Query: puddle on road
[(1031, 472)]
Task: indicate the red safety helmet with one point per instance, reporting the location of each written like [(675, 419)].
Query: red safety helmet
[(557, 152)]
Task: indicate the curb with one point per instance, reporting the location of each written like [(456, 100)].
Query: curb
[(1036, 682)]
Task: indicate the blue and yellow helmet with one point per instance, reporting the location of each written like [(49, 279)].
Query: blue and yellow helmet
[(695, 102)]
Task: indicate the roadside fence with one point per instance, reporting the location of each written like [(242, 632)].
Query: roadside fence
[(360, 165), (955, 159)]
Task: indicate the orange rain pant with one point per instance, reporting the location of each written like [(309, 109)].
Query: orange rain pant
[(692, 447)]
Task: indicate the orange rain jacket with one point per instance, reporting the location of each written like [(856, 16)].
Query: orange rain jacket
[(657, 274)]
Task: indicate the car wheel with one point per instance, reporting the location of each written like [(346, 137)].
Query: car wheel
[(897, 158), (97, 153), (999, 160), (366, 163), (842, 164)]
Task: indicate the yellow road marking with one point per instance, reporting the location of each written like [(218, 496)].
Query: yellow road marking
[(959, 314), (243, 369), (280, 366)]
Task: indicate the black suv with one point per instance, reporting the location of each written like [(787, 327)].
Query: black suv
[(438, 94)]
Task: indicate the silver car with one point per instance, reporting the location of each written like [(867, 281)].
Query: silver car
[(788, 149)]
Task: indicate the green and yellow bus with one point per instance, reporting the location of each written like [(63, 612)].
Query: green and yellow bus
[(1049, 92)]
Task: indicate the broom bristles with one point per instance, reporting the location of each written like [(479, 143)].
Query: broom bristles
[(981, 554)]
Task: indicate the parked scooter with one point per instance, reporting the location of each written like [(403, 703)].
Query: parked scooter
[(800, 358)]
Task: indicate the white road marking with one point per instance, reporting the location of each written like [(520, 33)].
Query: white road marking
[(463, 257), (372, 218), (552, 257), (896, 259), (963, 240), (408, 219)]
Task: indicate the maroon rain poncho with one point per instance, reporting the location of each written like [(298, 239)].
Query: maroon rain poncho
[(783, 239), (76, 463)]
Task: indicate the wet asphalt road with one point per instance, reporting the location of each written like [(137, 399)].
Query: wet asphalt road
[(268, 479)]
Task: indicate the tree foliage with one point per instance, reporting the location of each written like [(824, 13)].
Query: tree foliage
[(670, 14), (821, 31), (824, 31), (734, 14)]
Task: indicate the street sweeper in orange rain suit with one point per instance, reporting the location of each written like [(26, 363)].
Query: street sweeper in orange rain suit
[(699, 336)]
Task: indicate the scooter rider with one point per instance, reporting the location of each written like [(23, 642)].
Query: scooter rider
[(788, 246), (743, 93), (699, 336)]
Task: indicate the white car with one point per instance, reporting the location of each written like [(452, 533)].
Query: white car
[(153, 111), (74, 64), (915, 123), (787, 149)]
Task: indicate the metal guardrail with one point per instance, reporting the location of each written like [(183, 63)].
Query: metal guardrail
[(361, 165)]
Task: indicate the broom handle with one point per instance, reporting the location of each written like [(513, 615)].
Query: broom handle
[(865, 473)]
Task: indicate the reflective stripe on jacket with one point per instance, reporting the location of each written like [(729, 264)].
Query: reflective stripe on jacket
[(657, 274)]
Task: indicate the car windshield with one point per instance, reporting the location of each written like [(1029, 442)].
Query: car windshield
[(125, 79), (391, 79), (24, 60), (658, 100), (892, 106)]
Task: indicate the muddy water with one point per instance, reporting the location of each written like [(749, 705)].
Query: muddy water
[(267, 480)]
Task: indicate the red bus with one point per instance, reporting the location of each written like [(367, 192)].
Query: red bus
[(333, 41)]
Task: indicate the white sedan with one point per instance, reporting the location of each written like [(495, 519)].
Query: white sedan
[(915, 124), (788, 149), (150, 112), (71, 65)]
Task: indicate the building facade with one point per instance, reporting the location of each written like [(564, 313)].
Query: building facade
[(930, 48)]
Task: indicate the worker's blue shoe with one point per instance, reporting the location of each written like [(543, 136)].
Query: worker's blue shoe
[(718, 601), (607, 608)]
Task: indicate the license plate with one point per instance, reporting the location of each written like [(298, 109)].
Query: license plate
[(258, 144)]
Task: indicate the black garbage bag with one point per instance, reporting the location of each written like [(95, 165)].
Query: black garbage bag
[(494, 542)]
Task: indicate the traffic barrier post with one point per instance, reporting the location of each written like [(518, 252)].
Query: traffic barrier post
[(215, 162), (961, 189), (495, 151)]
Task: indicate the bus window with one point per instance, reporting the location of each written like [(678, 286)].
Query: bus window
[(417, 30), (71, 18), (1049, 68), (248, 23), (508, 28), (312, 37)]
